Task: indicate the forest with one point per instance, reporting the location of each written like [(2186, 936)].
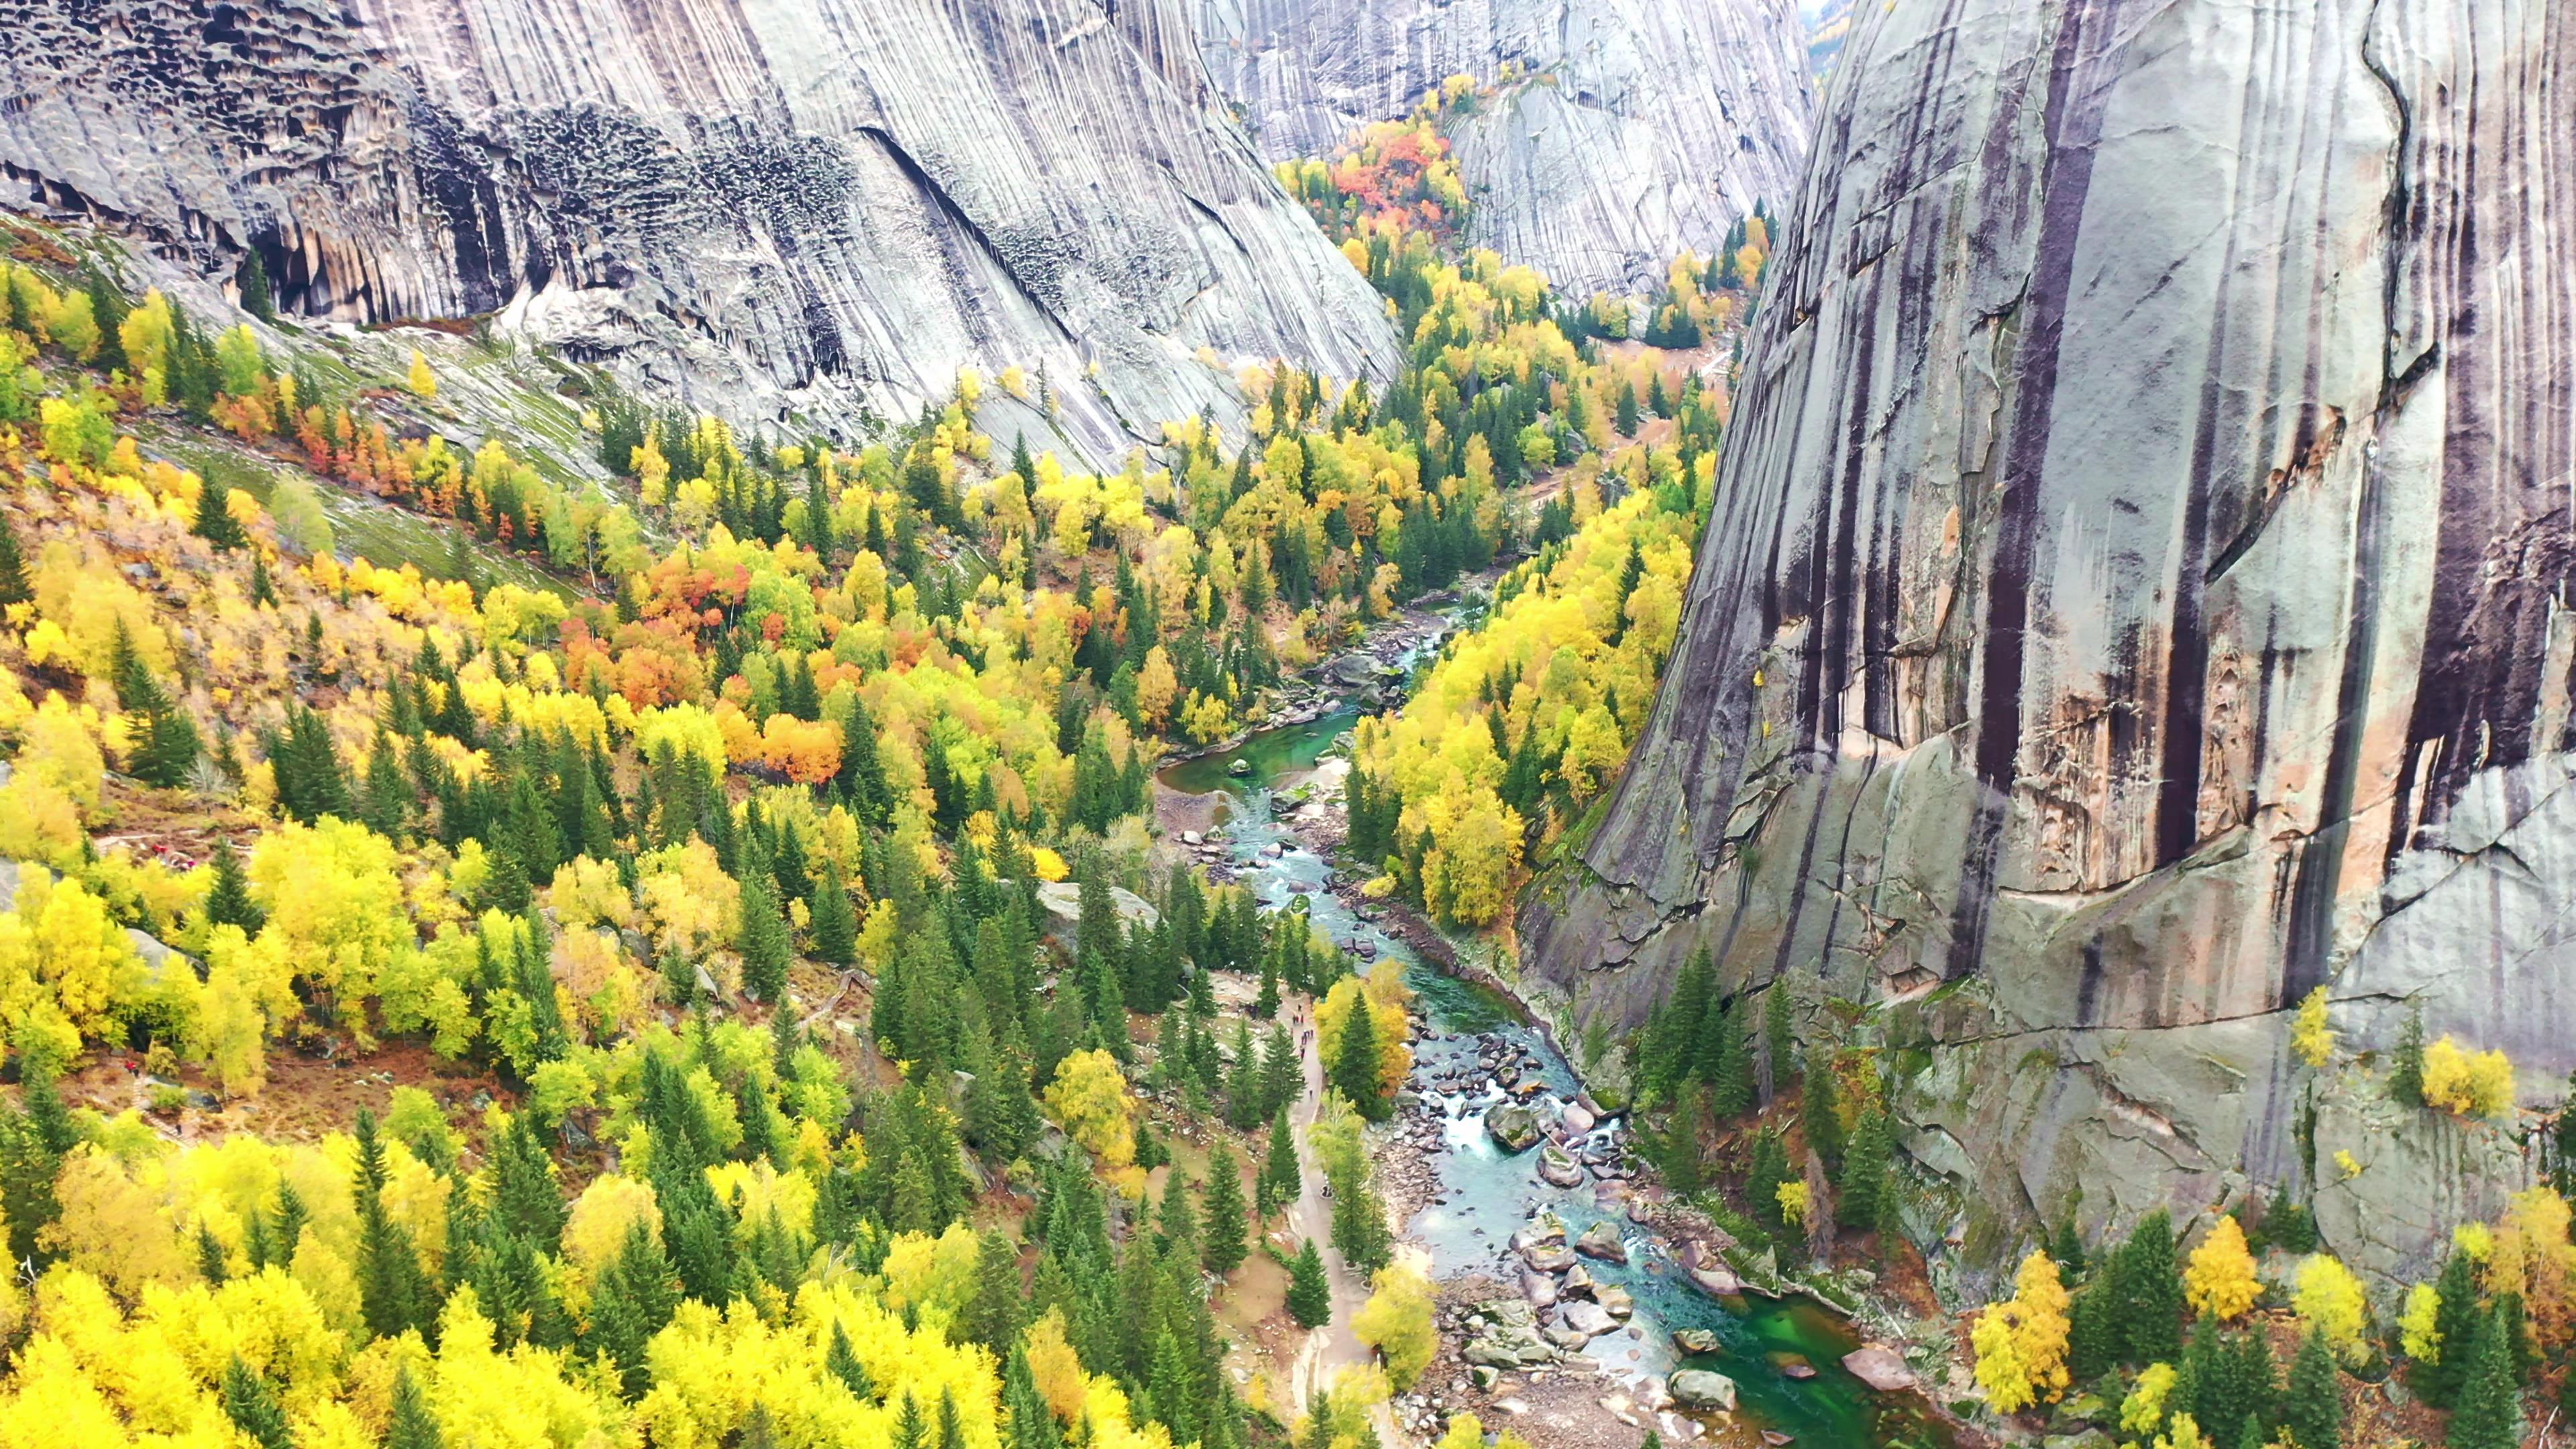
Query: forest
[(779, 1028)]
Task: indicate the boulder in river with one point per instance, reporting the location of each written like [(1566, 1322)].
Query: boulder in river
[(1703, 1389), (1602, 1241), (1717, 1280), (1880, 1367), (1577, 1120), (1589, 1319), (1547, 1260), (1694, 1340), (1513, 1127), (1558, 1169), (1539, 1289), (1614, 1300)]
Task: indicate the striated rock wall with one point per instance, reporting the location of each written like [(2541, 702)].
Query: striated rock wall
[(2142, 588), (1651, 127), (821, 207)]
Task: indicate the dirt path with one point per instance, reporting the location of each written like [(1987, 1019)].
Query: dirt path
[(1329, 1349)]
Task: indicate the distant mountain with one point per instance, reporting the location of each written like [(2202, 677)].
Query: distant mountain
[(821, 207), (1639, 129)]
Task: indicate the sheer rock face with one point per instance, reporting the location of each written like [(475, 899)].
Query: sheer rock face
[(2139, 592), (1654, 126), (824, 206)]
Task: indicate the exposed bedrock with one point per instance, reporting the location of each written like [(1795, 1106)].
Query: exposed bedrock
[(770, 206), (1652, 125), (2139, 592)]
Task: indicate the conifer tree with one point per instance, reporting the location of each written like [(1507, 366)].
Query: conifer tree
[(1310, 1293), (215, 522), (634, 1299), (411, 1425), (165, 744), (393, 1292), (2093, 1331), (766, 949), (2068, 1249), (2406, 1078), (1355, 1064), (228, 901), (2489, 1415), (14, 588), (526, 1199), (1731, 1084), (836, 920), (1281, 1181), (252, 1406), (1222, 1250), (993, 1317), (1768, 1169), (2313, 1413), (1819, 1115), (842, 1362), (1866, 1203), (1780, 1042), (2456, 1321), (2147, 1292)]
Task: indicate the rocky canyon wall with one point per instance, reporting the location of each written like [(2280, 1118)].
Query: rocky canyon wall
[(772, 207), (1649, 125), (2141, 589)]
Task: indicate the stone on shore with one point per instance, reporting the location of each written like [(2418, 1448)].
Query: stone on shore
[(1602, 1241), (1880, 1367), (1703, 1389), (1558, 1169)]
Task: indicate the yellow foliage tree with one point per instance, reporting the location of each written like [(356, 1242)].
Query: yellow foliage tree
[(1090, 1101), (2311, 1037), (424, 383), (2021, 1342), (2330, 1300), (2219, 1279), (1396, 1321), (1386, 1007), (2473, 1084)]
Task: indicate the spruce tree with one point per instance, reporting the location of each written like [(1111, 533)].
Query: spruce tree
[(412, 1425), (994, 1315), (2147, 1292), (842, 1362), (1768, 1169), (252, 1406), (1819, 1116), (1355, 1065), (525, 1198), (2068, 1249), (393, 1291), (836, 920), (1310, 1293), (165, 744), (215, 522), (2489, 1415), (1222, 1248), (2406, 1080), (1780, 1042), (14, 588), (2456, 1323), (1281, 1181), (2313, 1412), (2093, 1340), (1865, 1202), (766, 949), (228, 901)]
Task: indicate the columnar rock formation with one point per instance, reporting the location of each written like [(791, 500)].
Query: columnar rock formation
[(1649, 127), (2140, 592), (824, 206)]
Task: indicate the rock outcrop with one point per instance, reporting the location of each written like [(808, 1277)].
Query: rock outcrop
[(1643, 128), (817, 208), (2138, 594)]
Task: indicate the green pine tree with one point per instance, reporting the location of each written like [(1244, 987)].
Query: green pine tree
[(836, 920), (842, 1362), (2406, 1079), (1780, 1041), (1866, 1203), (994, 1316), (2313, 1412), (766, 948), (2093, 1331), (2456, 1322), (215, 522), (393, 1291), (165, 744), (411, 1425), (1222, 1247), (252, 1406), (1282, 1181), (1310, 1293), (1355, 1065), (1819, 1115), (2068, 1250), (1768, 1168), (14, 588), (2489, 1415), (2147, 1291)]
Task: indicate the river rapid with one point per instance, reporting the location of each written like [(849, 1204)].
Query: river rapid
[(1484, 1194)]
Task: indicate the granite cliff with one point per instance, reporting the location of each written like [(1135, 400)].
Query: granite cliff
[(2139, 593), (814, 207), (1640, 129)]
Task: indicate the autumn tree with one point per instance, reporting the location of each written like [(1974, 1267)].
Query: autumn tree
[(2220, 1280), (1396, 1321), (2021, 1342)]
